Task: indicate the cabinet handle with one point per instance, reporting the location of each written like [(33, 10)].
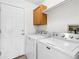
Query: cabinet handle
[(48, 48)]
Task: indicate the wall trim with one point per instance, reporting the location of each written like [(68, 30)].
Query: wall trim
[(11, 5)]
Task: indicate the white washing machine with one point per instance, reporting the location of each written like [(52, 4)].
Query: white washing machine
[(31, 41), (56, 48)]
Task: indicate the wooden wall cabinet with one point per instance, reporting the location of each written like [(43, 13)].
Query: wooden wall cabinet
[(39, 18)]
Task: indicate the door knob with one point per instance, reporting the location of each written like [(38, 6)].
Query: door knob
[(23, 33), (22, 30)]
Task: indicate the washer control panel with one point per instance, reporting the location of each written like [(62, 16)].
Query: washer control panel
[(66, 36)]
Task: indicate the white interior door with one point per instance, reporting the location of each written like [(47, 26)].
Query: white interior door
[(12, 31)]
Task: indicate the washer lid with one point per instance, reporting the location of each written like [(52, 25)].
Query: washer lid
[(35, 36), (63, 44)]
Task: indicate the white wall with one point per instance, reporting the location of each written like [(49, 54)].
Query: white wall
[(60, 17), (50, 3), (28, 12)]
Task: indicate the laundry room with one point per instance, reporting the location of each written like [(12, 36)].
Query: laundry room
[(39, 29)]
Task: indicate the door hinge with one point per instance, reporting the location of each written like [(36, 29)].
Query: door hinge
[(0, 31), (0, 53)]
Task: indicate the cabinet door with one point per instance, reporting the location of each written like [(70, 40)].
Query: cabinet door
[(37, 16), (44, 19), (31, 48), (45, 51), (44, 16)]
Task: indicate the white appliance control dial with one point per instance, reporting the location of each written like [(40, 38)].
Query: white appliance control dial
[(71, 37)]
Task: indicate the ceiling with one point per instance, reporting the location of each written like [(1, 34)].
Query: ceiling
[(37, 1)]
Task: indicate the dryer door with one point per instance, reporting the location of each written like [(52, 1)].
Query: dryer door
[(44, 51)]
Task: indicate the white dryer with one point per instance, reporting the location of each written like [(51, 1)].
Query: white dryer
[(62, 49), (31, 41)]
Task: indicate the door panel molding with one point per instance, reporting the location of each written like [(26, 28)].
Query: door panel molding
[(10, 15)]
